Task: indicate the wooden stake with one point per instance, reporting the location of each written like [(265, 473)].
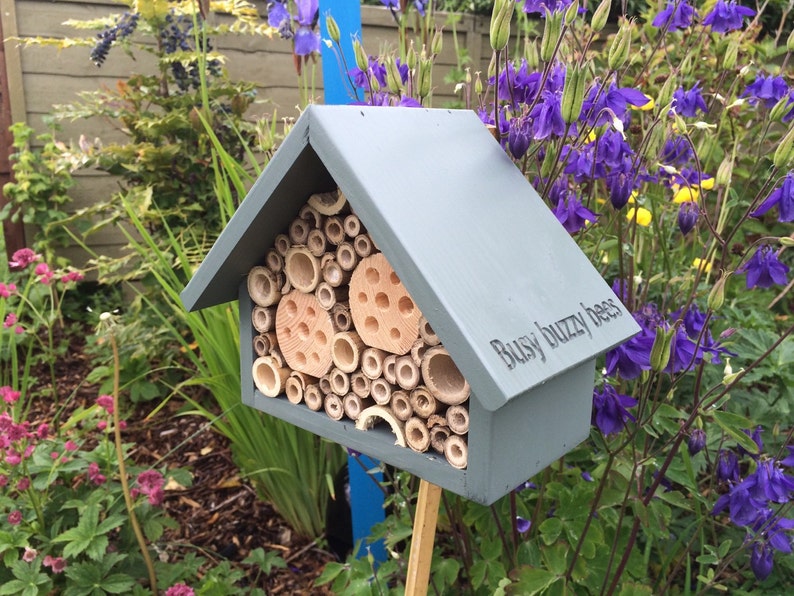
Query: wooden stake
[(423, 537)]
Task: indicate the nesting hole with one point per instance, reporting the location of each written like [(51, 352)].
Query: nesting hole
[(394, 279), (344, 351), (394, 333), (310, 312), (458, 419), (315, 358), (266, 375), (362, 297), (445, 374), (406, 306), (371, 325), (303, 331), (300, 358), (372, 276), (416, 435), (382, 301), (290, 308), (456, 451), (320, 337), (302, 269)]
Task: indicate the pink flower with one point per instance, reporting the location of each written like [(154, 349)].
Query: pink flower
[(72, 276), (10, 320), (122, 424), (54, 454), (43, 431), (3, 480), (106, 402), (57, 564), (22, 258), (9, 395), (30, 554), (19, 330), (180, 590), (7, 289), (44, 272), (151, 483), (13, 458), (23, 484), (102, 424), (15, 517), (94, 475), (70, 445)]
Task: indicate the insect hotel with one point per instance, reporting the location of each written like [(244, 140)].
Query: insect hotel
[(404, 291)]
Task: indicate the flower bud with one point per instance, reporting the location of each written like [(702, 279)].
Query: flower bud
[(790, 42), (786, 241), (666, 92), (688, 216), (551, 33), (500, 23), (531, 53), (697, 441), (437, 42), (717, 294), (785, 150), (724, 172), (600, 15), (731, 53), (492, 66), (393, 80), (780, 109), (621, 46), (478, 88), (425, 77), (411, 58), (333, 29), (362, 61), (660, 352), (571, 13), (680, 124), (573, 93)]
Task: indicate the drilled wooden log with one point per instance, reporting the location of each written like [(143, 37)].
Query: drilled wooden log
[(346, 256), (269, 378), (423, 402), (363, 246), (417, 435), (274, 261), (263, 318), (401, 405), (456, 450), (340, 315), (370, 416), (360, 384), (282, 244), (352, 225), (438, 436), (298, 231), (458, 419), (313, 397), (327, 295), (380, 390), (264, 343), (407, 373), (390, 368), (304, 332), (302, 269), (340, 382), (334, 230), (333, 406), (316, 242), (264, 286), (346, 349), (354, 405), (443, 378), (372, 362), (427, 334), (333, 274), (383, 313), (328, 203), (310, 214)]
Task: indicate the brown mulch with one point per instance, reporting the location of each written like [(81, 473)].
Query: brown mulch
[(218, 516)]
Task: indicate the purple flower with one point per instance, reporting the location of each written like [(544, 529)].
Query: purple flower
[(279, 18), (522, 525), (764, 269), (547, 116), (687, 103), (727, 466), (571, 213), (727, 16), (769, 89), (789, 459), (677, 15), (598, 103), (783, 197), (609, 410), (769, 483), (697, 441), (540, 6), (307, 40), (620, 186), (687, 216), (391, 4), (761, 561), (518, 137), (631, 357), (676, 151)]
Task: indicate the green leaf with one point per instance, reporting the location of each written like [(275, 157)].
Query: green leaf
[(733, 424), (329, 574), (117, 583), (531, 580), (550, 530), (555, 558)]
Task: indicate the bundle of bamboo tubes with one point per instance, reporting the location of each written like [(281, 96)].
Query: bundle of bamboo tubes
[(338, 331)]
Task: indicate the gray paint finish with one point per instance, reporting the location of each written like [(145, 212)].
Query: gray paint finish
[(480, 253)]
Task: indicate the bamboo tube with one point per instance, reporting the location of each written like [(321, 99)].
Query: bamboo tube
[(333, 406), (327, 295), (443, 378), (334, 230), (334, 274), (302, 269), (340, 382), (369, 417), (328, 203), (383, 313), (268, 377), (325, 258), (406, 373), (372, 362), (340, 315), (324, 383), (297, 384), (313, 398), (427, 334), (299, 231), (282, 244), (416, 434), (263, 318), (287, 287), (346, 349), (380, 390), (438, 436), (363, 246), (390, 368), (346, 256), (360, 384), (436, 420), (264, 343), (458, 419), (354, 405), (304, 332), (352, 225), (277, 356), (401, 405), (418, 350), (274, 261), (310, 214), (316, 242), (423, 402), (264, 286), (456, 451)]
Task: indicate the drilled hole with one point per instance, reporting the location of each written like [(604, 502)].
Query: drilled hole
[(406, 306), (290, 308), (300, 358), (303, 331), (310, 312), (382, 301), (394, 279), (371, 325), (320, 337), (362, 297), (394, 333), (372, 275)]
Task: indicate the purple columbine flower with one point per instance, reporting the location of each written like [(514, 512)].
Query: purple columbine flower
[(676, 151), (547, 116), (519, 136), (307, 40), (678, 14), (783, 197), (764, 269), (632, 357), (769, 89), (697, 441), (620, 187), (727, 466), (609, 410), (522, 525), (768, 482), (688, 214), (727, 16), (687, 103), (598, 104), (571, 213), (789, 459), (761, 561), (540, 6)]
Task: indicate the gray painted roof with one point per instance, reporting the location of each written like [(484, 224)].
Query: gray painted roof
[(496, 275)]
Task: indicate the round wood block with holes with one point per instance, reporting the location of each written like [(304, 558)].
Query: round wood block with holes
[(383, 313), (304, 331)]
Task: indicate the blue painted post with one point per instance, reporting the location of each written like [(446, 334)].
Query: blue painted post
[(366, 496)]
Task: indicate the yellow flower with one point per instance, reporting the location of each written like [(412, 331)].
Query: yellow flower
[(633, 197), (649, 105), (686, 193), (707, 182), (643, 216), (699, 263), (591, 137)]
